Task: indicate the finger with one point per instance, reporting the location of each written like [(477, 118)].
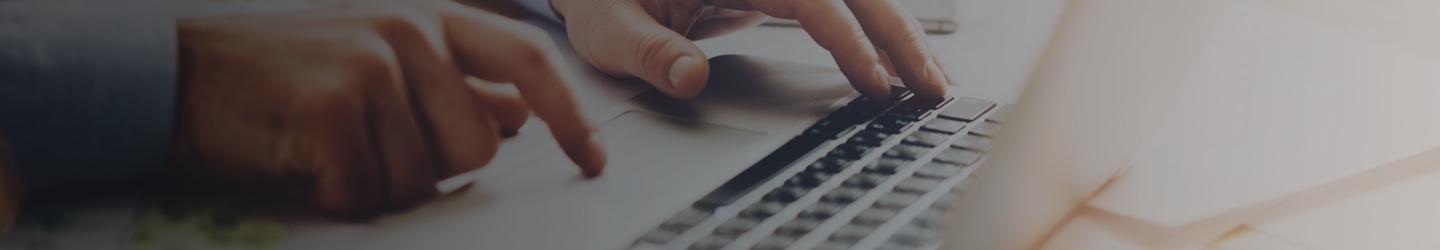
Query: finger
[(949, 80), (337, 144), (503, 50), (509, 110), (835, 29), (894, 30), (889, 67), (724, 21), (464, 133), (632, 43)]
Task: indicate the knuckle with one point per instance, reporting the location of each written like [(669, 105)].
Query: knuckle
[(398, 24), (531, 56), (650, 46), (912, 38), (370, 63), (855, 44)]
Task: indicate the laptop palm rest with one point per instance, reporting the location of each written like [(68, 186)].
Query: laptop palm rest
[(654, 165), (663, 155)]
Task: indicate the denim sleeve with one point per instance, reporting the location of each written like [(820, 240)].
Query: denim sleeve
[(541, 8), (87, 89)]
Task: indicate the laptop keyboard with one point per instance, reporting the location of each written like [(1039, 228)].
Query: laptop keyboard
[(874, 174)]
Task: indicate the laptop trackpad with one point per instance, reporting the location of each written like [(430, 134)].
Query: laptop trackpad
[(657, 165)]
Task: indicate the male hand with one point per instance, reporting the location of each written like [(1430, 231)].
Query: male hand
[(365, 104), (648, 39)]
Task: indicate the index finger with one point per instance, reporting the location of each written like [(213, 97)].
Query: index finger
[(835, 29), (518, 54), (893, 29)]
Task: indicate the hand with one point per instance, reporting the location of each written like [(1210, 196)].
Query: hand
[(10, 189), (366, 104), (648, 39)]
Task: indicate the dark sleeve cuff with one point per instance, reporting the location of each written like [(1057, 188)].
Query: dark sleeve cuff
[(87, 90)]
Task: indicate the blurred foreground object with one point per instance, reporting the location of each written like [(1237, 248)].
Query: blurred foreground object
[(1239, 122)]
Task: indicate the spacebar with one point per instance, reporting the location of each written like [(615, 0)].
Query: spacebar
[(758, 173)]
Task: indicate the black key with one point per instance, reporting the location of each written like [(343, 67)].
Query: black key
[(904, 116), (966, 109), (784, 195), (799, 226), (926, 102), (826, 166), (821, 211), (828, 129), (774, 243), (851, 233), (855, 182), (810, 178), (886, 166), (962, 157), (864, 181), (889, 126), (843, 195), (762, 210), (850, 151), (874, 216), (736, 226), (869, 138), (903, 151), (898, 200), (898, 93), (760, 172), (712, 242)]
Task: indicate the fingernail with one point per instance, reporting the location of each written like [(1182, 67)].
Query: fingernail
[(936, 76), (883, 77), (595, 162), (678, 71)]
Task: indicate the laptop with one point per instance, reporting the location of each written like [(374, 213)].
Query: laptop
[(935, 16), (772, 155)]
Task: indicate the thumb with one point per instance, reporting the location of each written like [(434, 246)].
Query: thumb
[(639, 46)]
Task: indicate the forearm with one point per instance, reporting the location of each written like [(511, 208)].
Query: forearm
[(86, 90)]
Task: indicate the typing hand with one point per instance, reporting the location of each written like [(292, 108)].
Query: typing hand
[(647, 39), (365, 106)]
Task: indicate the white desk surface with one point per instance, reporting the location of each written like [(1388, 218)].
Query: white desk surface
[(991, 56)]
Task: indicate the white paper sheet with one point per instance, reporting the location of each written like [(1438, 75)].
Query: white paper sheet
[(1089, 228), (1391, 207), (1247, 238), (1278, 103)]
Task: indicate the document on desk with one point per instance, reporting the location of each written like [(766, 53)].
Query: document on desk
[(1390, 207), (1281, 101)]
